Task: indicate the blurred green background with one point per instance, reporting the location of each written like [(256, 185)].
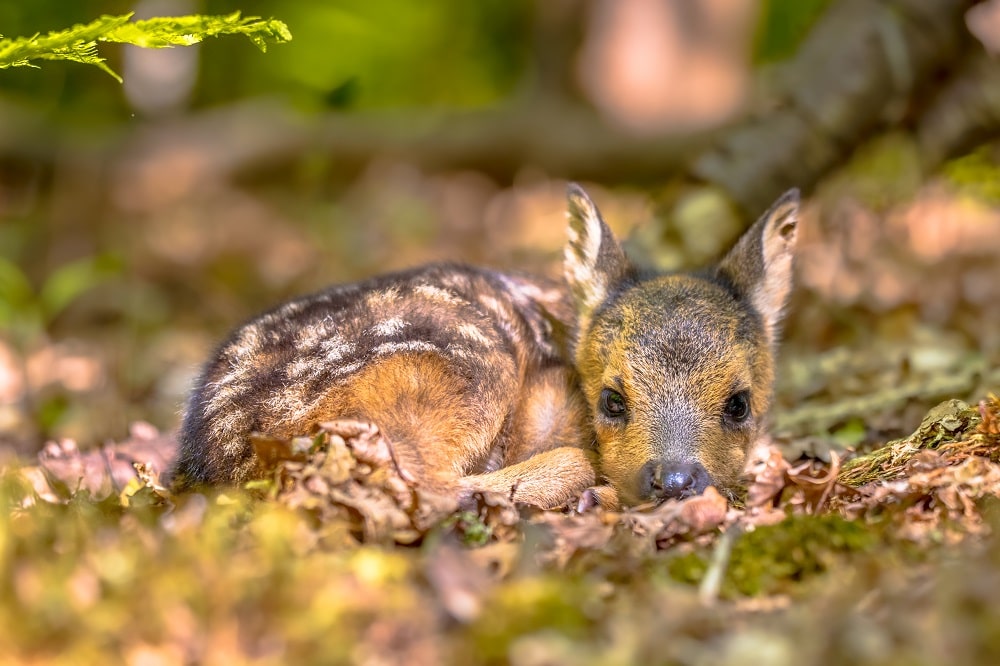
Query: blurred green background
[(349, 54), (140, 222)]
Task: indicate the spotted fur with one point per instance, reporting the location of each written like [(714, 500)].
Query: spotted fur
[(491, 381)]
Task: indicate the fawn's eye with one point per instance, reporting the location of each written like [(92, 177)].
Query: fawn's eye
[(612, 404), (738, 407)]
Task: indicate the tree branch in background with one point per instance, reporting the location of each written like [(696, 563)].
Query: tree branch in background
[(863, 64), (964, 114)]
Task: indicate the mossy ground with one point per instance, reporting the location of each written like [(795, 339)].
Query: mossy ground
[(145, 577)]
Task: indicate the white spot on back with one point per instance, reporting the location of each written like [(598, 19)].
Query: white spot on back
[(456, 281), (346, 369), (313, 333), (378, 299), (472, 333), (335, 348), (293, 405), (230, 426), (491, 303), (237, 373), (388, 327), (291, 308), (221, 400), (249, 342), (324, 357), (459, 352), (303, 368), (436, 294), (387, 348)]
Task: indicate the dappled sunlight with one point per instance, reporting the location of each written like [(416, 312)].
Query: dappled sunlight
[(851, 253), (939, 223), (984, 22), (652, 65), (71, 368), (11, 376)]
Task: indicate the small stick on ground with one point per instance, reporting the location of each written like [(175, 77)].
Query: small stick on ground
[(708, 591)]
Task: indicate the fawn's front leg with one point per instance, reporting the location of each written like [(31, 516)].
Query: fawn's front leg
[(547, 480)]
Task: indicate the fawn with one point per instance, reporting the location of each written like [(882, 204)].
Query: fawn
[(620, 385)]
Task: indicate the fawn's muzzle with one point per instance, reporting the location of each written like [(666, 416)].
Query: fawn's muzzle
[(660, 480)]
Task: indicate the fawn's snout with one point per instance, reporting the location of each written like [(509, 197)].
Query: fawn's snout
[(660, 479)]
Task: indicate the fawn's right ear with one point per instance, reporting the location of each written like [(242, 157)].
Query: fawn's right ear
[(760, 264), (594, 260)]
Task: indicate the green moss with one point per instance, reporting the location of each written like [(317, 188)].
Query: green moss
[(532, 606), (951, 421), (976, 174), (883, 172), (689, 567), (470, 527), (776, 558)]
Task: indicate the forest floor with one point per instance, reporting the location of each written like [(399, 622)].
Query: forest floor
[(890, 557)]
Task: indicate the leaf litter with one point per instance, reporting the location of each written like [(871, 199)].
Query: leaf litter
[(337, 555)]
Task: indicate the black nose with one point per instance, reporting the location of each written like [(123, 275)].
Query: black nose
[(663, 480)]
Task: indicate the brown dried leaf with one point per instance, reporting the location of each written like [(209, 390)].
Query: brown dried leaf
[(271, 451), (692, 516), (989, 412), (499, 514), (575, 533), (768, 473), (813, 483), (703, 513), (351, 476), (460, 580), (64, 469)]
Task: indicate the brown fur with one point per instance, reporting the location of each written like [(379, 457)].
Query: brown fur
[(487, 381)]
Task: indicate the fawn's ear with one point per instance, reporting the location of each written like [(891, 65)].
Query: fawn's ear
[(760, 264), (594, 260)]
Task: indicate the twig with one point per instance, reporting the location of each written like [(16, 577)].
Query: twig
[(708, 591)]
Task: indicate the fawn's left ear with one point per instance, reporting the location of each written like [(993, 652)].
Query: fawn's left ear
[(594, 259), (760, 264)]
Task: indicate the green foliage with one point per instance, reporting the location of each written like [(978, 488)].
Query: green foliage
[(783, 25), (850, 434), (977, 174), (79, 43), (390, 54), (354, 54), (27, 311)]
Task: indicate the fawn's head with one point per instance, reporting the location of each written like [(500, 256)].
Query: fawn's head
[(677, 369)]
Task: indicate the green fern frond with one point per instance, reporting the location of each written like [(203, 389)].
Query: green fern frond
[(79, 43)]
